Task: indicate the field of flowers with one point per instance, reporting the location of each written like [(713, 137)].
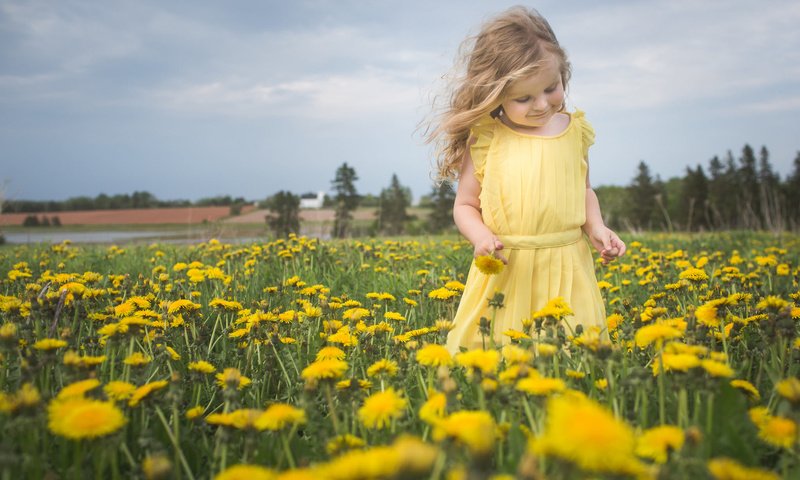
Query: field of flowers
[(304, 359)]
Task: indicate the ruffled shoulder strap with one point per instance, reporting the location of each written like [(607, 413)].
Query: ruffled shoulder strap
[(483, 133), (587, 132)]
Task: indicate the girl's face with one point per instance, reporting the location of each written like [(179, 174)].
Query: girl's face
[(532, 101)]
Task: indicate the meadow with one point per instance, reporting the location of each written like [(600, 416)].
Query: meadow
[(306, 359)]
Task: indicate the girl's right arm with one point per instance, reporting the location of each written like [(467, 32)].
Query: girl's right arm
[(467, 213)]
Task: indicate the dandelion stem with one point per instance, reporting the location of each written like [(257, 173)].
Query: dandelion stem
[(175, 443)]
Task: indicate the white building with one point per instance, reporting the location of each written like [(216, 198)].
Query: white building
[(313, 203)]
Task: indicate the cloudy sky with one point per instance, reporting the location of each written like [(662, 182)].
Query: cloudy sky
[(197, 98)]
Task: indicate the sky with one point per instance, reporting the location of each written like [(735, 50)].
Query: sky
[(199, 98)]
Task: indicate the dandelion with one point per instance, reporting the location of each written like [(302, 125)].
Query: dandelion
[(442, 294), (556, 308), (656, 333), (394, 316), (195, 412), (48, 344), (433, 355), (727, 469), (675, 362), (232, 378), (489, 264), (156, 467), (77, 418), (778, 431), (514, 355), (324, 369), (772, 303), (486, 361), (434, 408), (144, 391), (280, 415), (789, 389), (118, 390), (746, 387), (343, 442), (716, 369), (582, 432), (330, 353), (78, 389), (182, 305), (657, 443), (137, 359), (472, 429), (694, 274), (381, 408), (202, 366), (383, 367), (541, 386)]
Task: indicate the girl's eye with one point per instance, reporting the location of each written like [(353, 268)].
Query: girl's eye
[(523, 99), (551, 89)]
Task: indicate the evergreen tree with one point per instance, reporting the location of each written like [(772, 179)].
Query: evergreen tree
[(392, 214), (284, 217), (769, 192), (441, 216), (747, 174), (642, 192), (346, 200), (694, 197), (791, 192)]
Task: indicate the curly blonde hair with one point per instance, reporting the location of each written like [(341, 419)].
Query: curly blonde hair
[(510, 46)]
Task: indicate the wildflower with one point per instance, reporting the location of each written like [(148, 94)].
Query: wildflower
[(381, 408), (546, 349), (772, 303), (613, 321), (182, 305), (324, 369), (489, 264), (72, 359), (280, 415), (355, 314), (657, 443), (601, 384), (383, 367), (707, 313), (156, 467), (680, 361), (225, 304), (232, 378), (789, 389), (434, 408), (778, 431), (746, 387), (516, 335), (78, 418), (247, 472), (541, 386), (442, 293), (513, 354), (48, 344), (119, 390), (716, 369), (657, 332), (455, 285), (727, 469), (78, 389), (694, 274), (137, 359), (473, 429), (145, 390), (484, 360), (195, 412), (575, 374), (202, 366), (582, 432), (433, 355), (328, 353), (556, 308), (343, 442), (394, 316)]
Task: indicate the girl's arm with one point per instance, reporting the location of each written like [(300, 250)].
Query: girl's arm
[(603, 238), (467, 213)]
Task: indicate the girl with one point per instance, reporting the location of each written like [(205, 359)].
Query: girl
[(523, 185)]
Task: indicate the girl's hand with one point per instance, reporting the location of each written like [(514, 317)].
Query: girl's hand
[(608, 243), (490, 245)]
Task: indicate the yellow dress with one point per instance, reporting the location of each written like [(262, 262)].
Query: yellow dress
[(533, 191)]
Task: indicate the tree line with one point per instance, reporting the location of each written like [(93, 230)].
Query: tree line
[(102, 201), (743, 192)]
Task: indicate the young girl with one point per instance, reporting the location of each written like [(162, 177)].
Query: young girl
[(523, 180)]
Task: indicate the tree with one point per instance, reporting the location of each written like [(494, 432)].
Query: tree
[(392, 213), (346, 200), (441, 204), (643, 192), (747, 176), (791, 192), (769, 192), (284, 217), (693, 199)]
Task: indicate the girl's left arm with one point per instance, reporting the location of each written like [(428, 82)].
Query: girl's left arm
[(602, 238)]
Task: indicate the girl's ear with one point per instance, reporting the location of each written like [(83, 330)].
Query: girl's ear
[(496, 112)]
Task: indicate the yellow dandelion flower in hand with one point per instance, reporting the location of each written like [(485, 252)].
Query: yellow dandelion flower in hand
[(489, 264)]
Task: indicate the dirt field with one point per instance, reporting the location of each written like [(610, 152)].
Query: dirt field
[(143, 216)]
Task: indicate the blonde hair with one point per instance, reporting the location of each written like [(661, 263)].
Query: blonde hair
[(509, 47)]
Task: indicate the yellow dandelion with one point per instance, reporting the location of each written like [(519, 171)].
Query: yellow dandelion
[(195, 412), (324, 369), (232, 378), (442, 294), (728, 469), (489, 264), (119, 390), (789, 389), (330, 353), (394, 316), (582, 432), (746, 387), (434, 408), (541, 386), (78, 389), (514, 355), (656, 333), (383, 367), (379, 409), (144, 391), (694, 274), (486, 361), (47, 344), (247, 472), (556, 308), (137, 359), (772, 303), (778, 431), (473, 429), (658, 442), (77, 418), (344, 442), (546, 349), (279, 416), (681, 362), (716, 369), (433, 355), (202, 366)]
